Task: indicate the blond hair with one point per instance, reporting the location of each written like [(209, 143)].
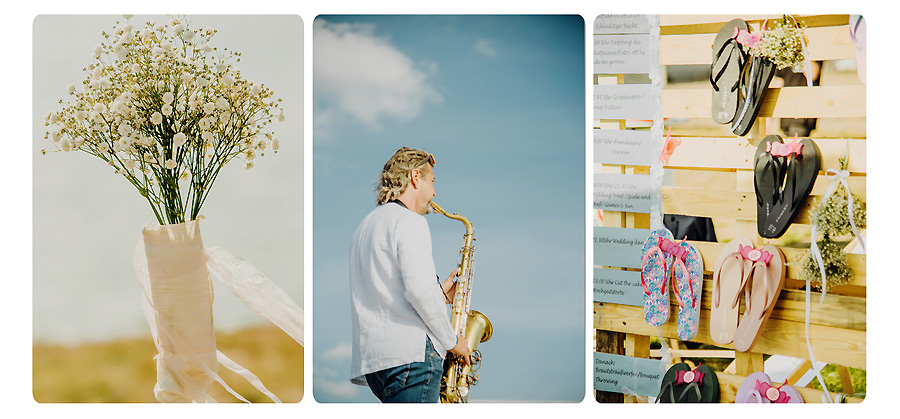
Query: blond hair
[(395, 175)]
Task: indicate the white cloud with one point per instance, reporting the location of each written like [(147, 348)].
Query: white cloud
[(485, 47), (363, 76), (338, 353), (344, 389)]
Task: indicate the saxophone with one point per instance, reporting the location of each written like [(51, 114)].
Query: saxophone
[(471, 324)]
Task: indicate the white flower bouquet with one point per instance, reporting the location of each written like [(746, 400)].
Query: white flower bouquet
[(167, 110)]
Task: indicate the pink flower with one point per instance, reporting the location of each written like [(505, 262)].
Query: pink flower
[(746, 38)]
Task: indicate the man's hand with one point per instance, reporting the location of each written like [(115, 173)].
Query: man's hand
[(449, 287), (462, 349)]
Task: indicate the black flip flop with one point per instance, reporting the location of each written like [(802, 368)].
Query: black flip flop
[(725, 71), (800, 176), (754, 85), (668, 392), (704, 391), (768, 176)]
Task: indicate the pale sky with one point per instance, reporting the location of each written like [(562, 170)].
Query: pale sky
[(87, 220)]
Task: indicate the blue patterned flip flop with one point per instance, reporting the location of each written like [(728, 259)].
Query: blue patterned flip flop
[(654, 277)]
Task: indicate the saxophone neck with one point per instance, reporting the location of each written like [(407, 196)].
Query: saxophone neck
[(469, 229)]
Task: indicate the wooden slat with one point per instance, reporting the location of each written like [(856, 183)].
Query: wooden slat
[(786, 102), (739, 153), (827, 43), (831, 345), (700, 178), (837, 311), (680, 24), (700, 202), (729, 385), (695, 353), (857, 263)]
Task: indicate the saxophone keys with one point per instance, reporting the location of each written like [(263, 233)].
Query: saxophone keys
[(473, 378)]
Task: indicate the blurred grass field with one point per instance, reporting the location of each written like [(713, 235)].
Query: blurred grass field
[(123, 371)]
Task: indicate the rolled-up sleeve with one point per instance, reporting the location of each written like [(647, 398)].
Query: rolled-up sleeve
[(418, 275)]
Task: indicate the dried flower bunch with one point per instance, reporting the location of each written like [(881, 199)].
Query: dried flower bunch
[(831, 217), (167, 111), (782, 44), (837, 270)]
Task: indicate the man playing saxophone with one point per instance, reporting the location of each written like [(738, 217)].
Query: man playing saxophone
[(401, 329)]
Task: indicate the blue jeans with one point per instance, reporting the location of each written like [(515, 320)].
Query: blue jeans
[(416, 382)]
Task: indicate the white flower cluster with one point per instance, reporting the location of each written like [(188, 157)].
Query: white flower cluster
[(167, 110)]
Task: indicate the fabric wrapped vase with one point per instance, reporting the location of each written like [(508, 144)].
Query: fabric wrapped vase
[(180, 299)]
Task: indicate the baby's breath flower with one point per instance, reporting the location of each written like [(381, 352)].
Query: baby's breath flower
[(179, 139), (129, 108)]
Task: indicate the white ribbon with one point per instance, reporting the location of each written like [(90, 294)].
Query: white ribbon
[(835, 177)]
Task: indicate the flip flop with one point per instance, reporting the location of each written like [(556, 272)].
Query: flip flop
[(728, 58), (763, 281), (758, 388), (728, 277), (680, 384), (768, 175), (667, 389), (801, 168), (754, 85), (702, 386), (654, 277), (858, 36), (687, 269)]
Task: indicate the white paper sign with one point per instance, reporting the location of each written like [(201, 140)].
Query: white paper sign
[(624, 101), (612, 24), (631, 147), (620, 192), (620, 54)]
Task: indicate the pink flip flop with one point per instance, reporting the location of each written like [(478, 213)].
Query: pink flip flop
[(762, 285), (758, 388), (728, 277), (654, 277)]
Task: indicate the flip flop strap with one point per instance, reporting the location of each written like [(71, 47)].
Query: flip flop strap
[(745, 279), (775, 168), (747, 290), (690, 386), (653, 250), (759, 398), (680, 264), (718, 75), (853, 31), (671, 393), (746, 73)]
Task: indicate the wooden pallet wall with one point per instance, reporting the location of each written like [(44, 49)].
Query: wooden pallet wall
[(838, 327)]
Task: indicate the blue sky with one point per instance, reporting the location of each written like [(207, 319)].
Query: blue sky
[(500, 102)]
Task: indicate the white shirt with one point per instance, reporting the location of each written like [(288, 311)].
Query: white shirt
[(395, 299)]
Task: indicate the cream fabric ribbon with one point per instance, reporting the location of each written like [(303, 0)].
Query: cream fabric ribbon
[(177, 357)]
